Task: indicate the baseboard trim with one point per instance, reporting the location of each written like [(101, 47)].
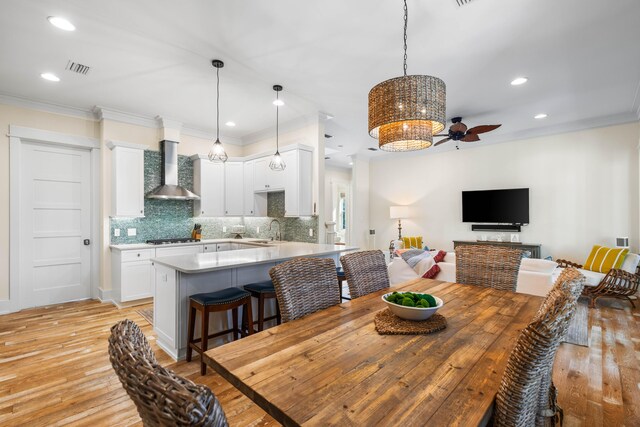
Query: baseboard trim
[(105, 295), (6, 307)]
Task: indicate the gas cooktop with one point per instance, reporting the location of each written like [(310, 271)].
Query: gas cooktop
[(169, 241)]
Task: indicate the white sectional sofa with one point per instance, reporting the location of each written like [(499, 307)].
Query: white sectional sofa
[(536, 276)]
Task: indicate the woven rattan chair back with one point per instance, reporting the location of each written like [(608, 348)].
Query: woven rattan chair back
[(366, 272), (491, 266), (161, 397), (524, 397), (304, 286), (569, 285)]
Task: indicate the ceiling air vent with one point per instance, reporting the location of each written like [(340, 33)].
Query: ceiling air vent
[(463, 2), (76, 67), (372, 149), (326, 135)]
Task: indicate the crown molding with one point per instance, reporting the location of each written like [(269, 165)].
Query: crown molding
[(288, 126), (575, 126), (49, 107), (103, 113), (636, 102), (164, 122), (210, 135)]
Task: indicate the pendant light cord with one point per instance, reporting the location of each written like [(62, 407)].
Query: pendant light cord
[(277, 122), (406, 20), (218, 104)]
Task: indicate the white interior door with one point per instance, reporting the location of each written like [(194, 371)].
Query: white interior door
[(55, 218)]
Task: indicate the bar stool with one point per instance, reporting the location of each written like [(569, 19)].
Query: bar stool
[(211, 302), (341, 278), (263, 291)]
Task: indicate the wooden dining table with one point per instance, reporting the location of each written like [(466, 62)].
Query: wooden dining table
[(332, 367)]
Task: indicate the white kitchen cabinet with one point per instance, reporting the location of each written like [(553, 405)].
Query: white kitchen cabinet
[(179, 250), (209, 247), (220, 247), (132, 274), (127, 179), (208, 183), (298, 199), (233, 188), (265, 179), (247, 190)]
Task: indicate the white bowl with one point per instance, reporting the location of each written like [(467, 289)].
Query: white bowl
[(412, 313)]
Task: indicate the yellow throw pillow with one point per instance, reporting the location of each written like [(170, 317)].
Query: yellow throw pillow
[(412, 242), (602, 259)]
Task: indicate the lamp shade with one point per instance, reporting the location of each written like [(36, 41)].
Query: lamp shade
[(405, 112), (399, 212)]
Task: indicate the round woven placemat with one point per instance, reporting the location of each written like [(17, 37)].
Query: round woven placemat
[(388, 323)]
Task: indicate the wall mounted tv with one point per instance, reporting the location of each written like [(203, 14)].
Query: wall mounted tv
[(509, 206)]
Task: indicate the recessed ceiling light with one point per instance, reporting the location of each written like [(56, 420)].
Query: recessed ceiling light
[(350, 163), (230, 124), (519, 81), (61, 23), (278, 102), (51, 77), (540, 116), (372, 149)]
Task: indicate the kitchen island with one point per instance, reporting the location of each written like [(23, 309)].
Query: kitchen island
[(178, 277)]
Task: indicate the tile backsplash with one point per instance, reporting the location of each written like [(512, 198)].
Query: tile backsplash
[(174, 218)]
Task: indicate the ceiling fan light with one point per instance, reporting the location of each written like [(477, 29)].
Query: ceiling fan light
[(417, 101)]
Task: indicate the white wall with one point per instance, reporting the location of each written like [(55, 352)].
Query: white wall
[(360, 179), (583, 189)]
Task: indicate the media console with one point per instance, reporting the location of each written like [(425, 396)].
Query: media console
[(533, 248)]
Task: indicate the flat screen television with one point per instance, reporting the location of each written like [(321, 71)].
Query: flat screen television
[(509, 206)]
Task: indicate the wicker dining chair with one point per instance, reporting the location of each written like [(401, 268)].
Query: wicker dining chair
[(491, 266), (304, 286), (161, 397), (366, 272), (526, 396), (569, 286)]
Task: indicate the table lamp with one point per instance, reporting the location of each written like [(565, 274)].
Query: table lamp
[(399, 213)]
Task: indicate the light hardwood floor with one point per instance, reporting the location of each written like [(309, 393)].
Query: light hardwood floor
[(55, 370)]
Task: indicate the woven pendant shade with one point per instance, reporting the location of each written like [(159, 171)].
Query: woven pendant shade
[(405, 112)]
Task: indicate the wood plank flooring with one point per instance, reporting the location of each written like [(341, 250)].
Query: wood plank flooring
[(55, 370)]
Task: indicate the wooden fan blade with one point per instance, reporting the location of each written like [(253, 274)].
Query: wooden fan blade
[(442, 141), (458, 127), (483, 129), (470, 137)]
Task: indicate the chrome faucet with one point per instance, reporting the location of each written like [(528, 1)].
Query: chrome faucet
[(278, 235)]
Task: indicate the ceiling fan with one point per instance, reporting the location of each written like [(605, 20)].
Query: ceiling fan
[(458, 132)]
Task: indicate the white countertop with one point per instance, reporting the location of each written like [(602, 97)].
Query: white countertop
[(200, 263), (136, 246)]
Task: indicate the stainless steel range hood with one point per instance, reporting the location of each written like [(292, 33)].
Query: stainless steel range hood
[(170, 190)]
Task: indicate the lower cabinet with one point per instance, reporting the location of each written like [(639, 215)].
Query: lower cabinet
[(132, 275)]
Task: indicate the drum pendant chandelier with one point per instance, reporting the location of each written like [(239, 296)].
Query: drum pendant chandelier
[(405, 112)]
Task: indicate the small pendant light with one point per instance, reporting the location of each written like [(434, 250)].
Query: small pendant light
[(277, 164), (217, 153)]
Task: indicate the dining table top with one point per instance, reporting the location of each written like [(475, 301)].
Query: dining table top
[(332, 367)]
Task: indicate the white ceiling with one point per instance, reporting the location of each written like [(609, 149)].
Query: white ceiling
[(152, 57)]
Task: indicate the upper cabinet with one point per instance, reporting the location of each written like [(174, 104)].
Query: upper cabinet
[(239, 188), (127, 179), (298, 200), (247, 191), (233, 188), (265, 179), (208, 182)]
